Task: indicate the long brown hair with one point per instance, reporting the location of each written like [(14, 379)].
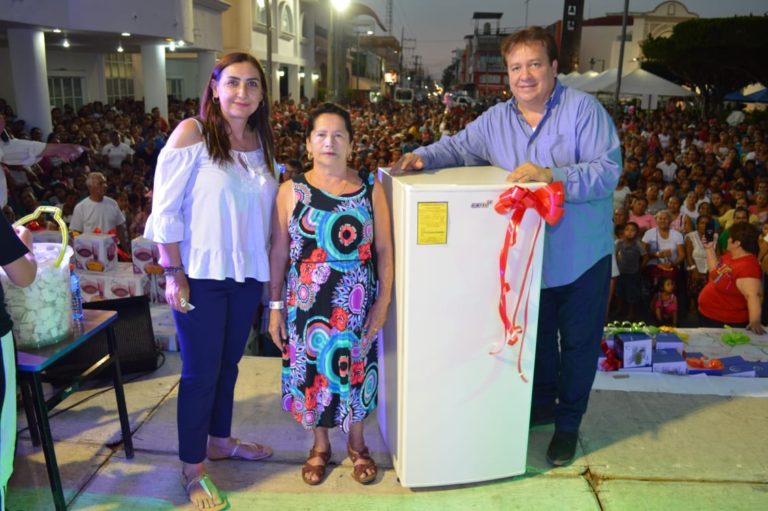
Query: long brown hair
[(215, 125)]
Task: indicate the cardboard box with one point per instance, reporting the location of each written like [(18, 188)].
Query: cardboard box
[(158, 289), (668, 340), (145, 256), (164, 328), (644, 369), (669, 361), (92, 286), (124, 284), (634, 349), (737, 366), (709, 367), (95, 253), (761, 369)]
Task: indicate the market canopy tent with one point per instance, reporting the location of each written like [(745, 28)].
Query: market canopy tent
[(567, 79), (760, 96), (577, 81), (635, 83)]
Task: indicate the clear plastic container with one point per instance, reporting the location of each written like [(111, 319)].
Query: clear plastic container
[(41, 312)]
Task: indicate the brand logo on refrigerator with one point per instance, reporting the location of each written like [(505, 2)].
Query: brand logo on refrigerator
[(485, 204)]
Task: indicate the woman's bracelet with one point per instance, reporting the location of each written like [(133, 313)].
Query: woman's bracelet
[(277, 305), (171, 270)]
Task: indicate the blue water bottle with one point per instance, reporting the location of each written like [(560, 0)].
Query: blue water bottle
[(77, 297)]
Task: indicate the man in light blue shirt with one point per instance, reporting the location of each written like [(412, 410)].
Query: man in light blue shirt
[(545, 133)]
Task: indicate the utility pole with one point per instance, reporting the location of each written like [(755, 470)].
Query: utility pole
[(417, 68), (621, 54), (405, 44)]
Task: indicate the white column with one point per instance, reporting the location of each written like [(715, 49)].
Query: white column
[(153, 65), (206, 60), (274, 87), (293, 82), (30, 78), (309, 83)]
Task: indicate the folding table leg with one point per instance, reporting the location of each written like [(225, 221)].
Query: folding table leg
[(47, 440), (29, 409), (122, 411)]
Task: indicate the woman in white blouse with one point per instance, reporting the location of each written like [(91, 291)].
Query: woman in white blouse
[(696, 259), (211, 212)]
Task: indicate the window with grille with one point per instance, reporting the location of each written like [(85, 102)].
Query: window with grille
[(118, 73), (286, 21), (174, 87), (66, 90)]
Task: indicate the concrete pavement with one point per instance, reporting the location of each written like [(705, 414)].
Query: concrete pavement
[(638, 450)]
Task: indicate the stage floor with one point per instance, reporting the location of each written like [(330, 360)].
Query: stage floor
[(648, 449)]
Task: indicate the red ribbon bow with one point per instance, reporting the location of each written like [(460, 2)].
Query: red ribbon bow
[(611, 362), (548, 203)]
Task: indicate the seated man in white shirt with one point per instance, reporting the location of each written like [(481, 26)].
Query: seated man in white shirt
[(668, 167), (116, 151), (97, 211)]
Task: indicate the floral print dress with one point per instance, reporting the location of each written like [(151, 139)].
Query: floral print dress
[(330, 369)]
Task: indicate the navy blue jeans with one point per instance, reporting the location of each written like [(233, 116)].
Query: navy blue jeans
[(565, 370), (212, 339)]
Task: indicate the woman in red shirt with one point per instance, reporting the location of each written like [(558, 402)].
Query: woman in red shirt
[(735, 288)]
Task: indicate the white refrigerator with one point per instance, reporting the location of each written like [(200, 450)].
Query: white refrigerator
[(450, 411)]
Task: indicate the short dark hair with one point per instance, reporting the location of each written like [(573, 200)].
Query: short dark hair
[(527, 36), (330, 108), (747, 235)]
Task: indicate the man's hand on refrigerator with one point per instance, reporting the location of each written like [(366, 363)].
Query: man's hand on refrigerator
[(530, 172), (407, 162)]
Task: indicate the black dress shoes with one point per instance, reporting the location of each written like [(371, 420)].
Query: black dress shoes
[(562, 448)]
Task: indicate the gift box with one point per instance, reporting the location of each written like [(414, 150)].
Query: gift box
[(634, 349), (668, 340), (145, 256), (123, 283), (761, 369), (92, 286), (698, 364), (95, 252), (669, 361), (737, 366), (157, 294), (164, 328), (643, 369)]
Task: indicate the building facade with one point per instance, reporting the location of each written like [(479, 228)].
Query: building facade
[(601, 37), (481, 69)]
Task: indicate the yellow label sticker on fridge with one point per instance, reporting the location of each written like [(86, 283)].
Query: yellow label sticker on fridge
[(432, 223)]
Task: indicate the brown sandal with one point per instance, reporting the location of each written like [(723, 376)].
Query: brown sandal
[(359, 469), (308, 470)]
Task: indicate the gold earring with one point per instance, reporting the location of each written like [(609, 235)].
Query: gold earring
[(309, 155)]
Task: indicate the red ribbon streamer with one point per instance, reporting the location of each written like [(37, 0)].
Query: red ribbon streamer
[(548, 203), (611, 362)]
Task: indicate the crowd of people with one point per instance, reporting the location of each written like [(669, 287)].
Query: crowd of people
[(123, 143), (686, 182), (688, 212)]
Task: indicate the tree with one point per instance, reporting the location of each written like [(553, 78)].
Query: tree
[(714, 56), (450, 75)]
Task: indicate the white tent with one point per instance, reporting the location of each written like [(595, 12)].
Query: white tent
[(576, 82), (635, 83), (642, 83), (567, 79), (599, 82)]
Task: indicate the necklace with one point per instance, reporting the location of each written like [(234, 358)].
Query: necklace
[(323, 186)]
